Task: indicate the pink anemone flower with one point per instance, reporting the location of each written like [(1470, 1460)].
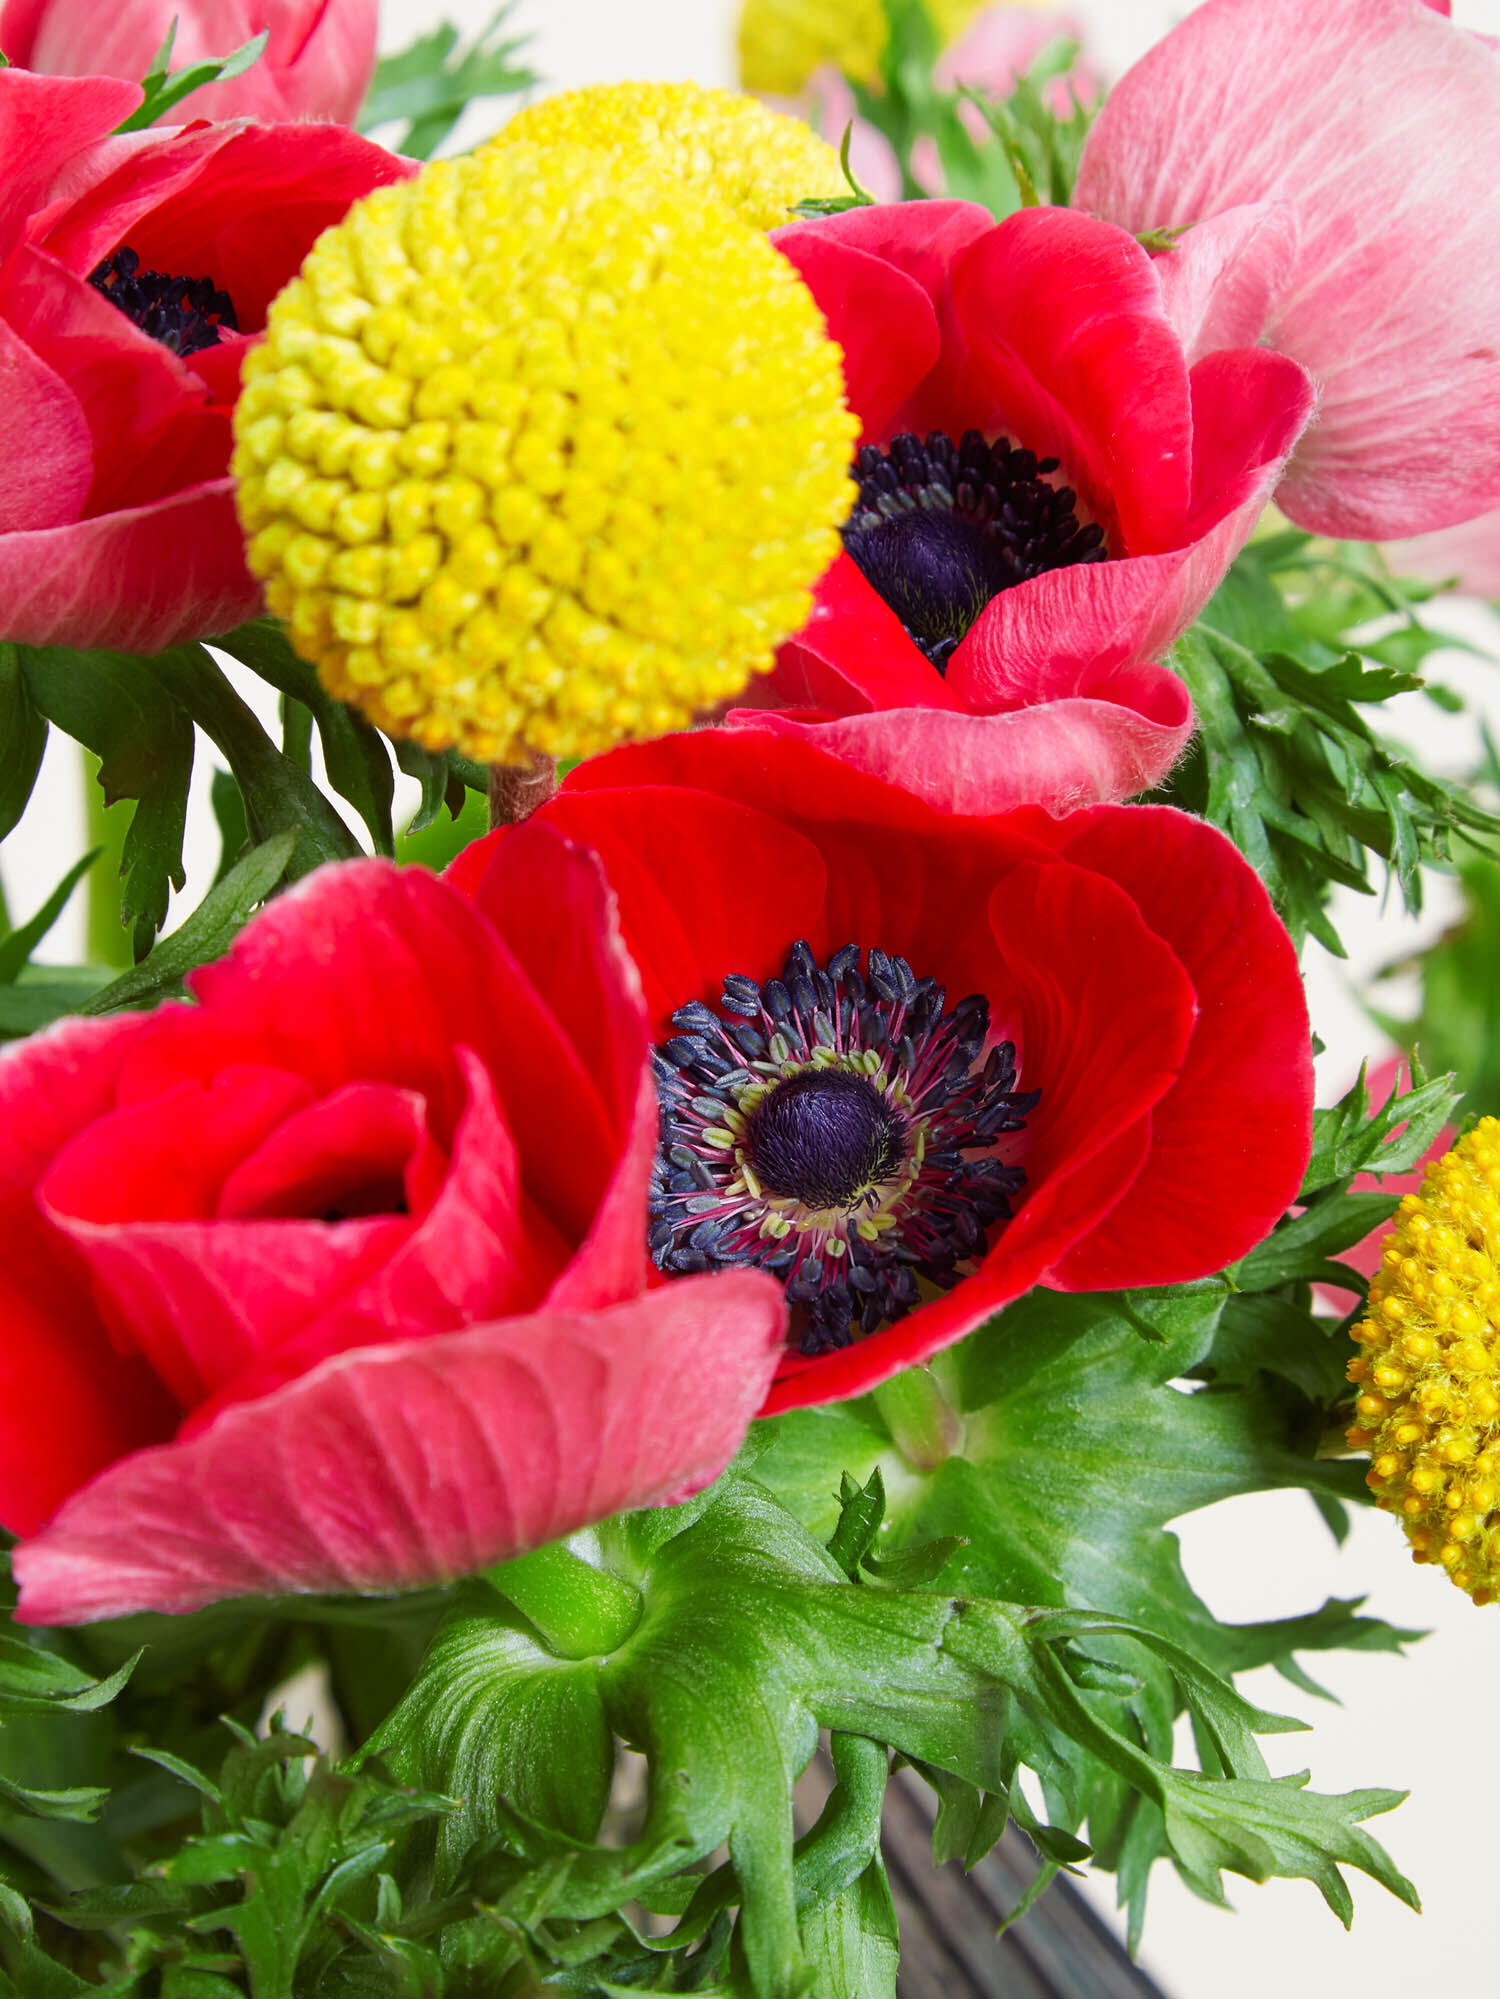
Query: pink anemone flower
[(1339, 166), (317, 62)]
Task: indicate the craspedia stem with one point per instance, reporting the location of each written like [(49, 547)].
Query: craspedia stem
[(517, 790)]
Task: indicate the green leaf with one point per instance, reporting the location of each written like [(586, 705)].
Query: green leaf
[(1349, 1139), (428, 85), (44, 993), (357, 757), (79, 1802), (207, 933), (36, 1682), (116, 705), (16, 949), (1286, 762), (854, 1941), (276, 793), (164, 91), (861, 1510), (23, 739)]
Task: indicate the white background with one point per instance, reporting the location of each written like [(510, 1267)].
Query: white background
[(1428, 1723)]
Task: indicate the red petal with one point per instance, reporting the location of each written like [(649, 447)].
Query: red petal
[(421, 1462), (1230, 1143), (43, 121), (1084, 366)]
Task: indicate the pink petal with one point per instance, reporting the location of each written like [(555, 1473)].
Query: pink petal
[(138, 581), (1061, 754), (46, 451), (1221, 280), (1467, 555), (852, 654), (43, 120), (1379, 121), (69, 1402), (421, 1462)]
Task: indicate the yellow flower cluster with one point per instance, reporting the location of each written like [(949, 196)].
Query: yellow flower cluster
[(783, 41), (760, 163), (1428, 1409), (539, 454)]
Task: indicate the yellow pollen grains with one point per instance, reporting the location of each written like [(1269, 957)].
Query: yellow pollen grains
[(782, 42), (1428, 1370), (540, 455), (760, 163)]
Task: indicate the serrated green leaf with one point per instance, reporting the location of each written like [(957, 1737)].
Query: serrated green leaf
[(1349, 1138), (277, 795), (430, 84), (114, 703), (357, 757), (207, 933)]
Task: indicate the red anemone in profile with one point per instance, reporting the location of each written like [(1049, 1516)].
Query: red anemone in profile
[(1048, 496), (915, 1063), (337, 1279)]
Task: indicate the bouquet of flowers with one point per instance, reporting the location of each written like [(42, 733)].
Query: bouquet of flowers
[(714, 1252)]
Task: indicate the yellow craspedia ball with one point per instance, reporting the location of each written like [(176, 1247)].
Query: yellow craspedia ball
[(1428, 1409), (539, 455), (781, 42), (760, 162)]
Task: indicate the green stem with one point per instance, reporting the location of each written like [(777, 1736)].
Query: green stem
[(106, 940), (580, 1611), (924, 1425)]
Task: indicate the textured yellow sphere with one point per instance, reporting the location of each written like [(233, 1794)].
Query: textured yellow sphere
[(539, 455), (760, 162), (781, 42), (1428, 1372)]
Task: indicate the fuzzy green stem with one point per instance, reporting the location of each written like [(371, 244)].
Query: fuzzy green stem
[(580, 1611), (924, 1425)]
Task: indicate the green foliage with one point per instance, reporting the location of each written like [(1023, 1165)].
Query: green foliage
[(165, 89), (1026, 154), (428, 86), (1285, 761), (23, 738), (1458, 1024)]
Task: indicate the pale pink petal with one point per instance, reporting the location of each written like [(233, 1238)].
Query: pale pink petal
[(1467, 556), (386, 1470), (1380, 121), (1220, 281), (1061, 754)]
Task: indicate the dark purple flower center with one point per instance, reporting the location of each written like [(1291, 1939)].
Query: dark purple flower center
[(941, 528), (842, 1130), (182, 313)]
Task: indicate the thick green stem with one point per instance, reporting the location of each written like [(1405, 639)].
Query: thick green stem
[(106, 940), (924, 1425), (582, 1612)]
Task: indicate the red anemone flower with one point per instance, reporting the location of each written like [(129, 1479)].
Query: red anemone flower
[(134, 272), (915, 1063), (1048, 496), (337, 1279)]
